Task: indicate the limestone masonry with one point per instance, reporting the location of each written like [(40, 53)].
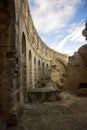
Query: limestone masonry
[(76, 74), (26, 61), (24, 58)]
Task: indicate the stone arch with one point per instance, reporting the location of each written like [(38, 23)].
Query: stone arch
[(35, 73), (24, 82), (43, 70), (30, 68), (47, 71), (39, 70), (49, 74)]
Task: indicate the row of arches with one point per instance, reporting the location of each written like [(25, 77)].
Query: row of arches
[(33, 70), (38, 70)]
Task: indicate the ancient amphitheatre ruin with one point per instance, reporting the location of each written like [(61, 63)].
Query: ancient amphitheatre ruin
[(31, 72)]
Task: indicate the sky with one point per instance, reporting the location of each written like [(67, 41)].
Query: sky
[(59, 23)]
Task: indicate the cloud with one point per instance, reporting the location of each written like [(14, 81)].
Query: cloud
[(72, 41), (52, 19), (52, 15)]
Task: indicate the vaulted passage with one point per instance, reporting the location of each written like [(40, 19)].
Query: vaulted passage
[(39, 70), (83, 85), (43, 71), (35, 72), (24, 84), (30, 68)]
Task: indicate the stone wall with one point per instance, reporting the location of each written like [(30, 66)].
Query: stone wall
[(76, 74), (24, 58), (8, 55), (58, 71)]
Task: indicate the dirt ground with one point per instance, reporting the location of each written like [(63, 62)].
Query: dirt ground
[(70, 113)]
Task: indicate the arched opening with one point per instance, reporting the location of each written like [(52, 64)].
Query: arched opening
[(24, 85), (47, 71), (30, 68), (39, 71), (35, 79), (43, 71)]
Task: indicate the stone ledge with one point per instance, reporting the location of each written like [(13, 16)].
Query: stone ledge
[(41, 95)]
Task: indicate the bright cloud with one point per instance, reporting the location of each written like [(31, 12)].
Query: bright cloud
[(52, 19), (70, 42), (52, 15)]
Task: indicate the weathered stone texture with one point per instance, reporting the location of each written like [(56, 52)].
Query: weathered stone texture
[(76, 75), (27, 62), (58, 69), (24, 57)]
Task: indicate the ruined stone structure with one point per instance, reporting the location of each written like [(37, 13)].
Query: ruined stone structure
[(24, 58), (76, 75), (58, 70)]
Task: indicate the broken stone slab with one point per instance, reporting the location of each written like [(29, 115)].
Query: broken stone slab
[(41, 95)]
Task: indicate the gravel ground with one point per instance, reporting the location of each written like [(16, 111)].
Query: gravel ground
[(70, 113)]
